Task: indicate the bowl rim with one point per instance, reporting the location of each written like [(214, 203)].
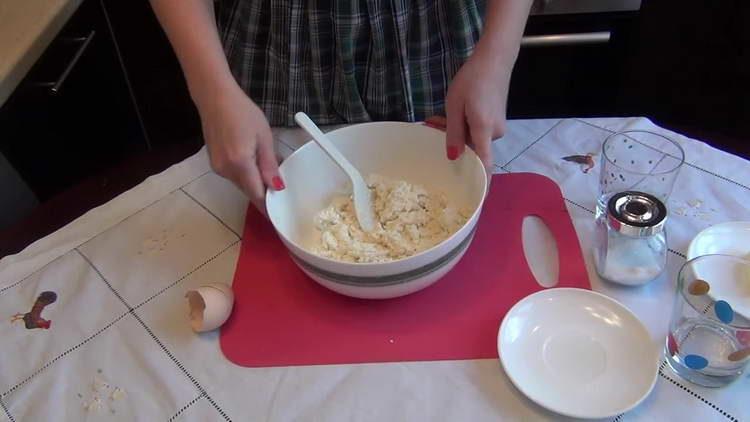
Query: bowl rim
[(473, 218)]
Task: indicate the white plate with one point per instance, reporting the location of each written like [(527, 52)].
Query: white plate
[(578, 353), (731, 238)]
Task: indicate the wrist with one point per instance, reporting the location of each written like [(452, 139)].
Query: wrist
[(207, 92), (495, 48), (497, 60)]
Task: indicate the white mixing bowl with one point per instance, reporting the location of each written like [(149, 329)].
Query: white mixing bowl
[(405, 151)]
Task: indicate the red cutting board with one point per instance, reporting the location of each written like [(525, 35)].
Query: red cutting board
[(282, 318)]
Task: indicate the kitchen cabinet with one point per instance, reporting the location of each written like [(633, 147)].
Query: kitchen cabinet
[(15, 195), (159, 86), (73, 115)]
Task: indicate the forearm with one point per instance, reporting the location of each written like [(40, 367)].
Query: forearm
[(191, 28), (504, 23)]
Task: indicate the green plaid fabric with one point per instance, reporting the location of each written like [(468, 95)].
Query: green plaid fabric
[(346, 61)]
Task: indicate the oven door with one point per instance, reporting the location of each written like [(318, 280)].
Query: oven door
[(572, 58), (561, 7)]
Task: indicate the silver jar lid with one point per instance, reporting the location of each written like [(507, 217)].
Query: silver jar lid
[(636, 214)]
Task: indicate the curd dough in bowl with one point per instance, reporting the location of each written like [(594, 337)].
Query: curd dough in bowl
[(409, 220)]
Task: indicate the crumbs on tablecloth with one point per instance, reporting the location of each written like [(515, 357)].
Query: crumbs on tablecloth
[(156, 243), (695, 203), (100, 387), (117, 394), (94, 405), (693, 208)]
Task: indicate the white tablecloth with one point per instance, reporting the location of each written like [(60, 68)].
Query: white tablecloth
[(119, 330)]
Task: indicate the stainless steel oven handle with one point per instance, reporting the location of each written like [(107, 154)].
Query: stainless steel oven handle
[(55, 87), (555, 40)]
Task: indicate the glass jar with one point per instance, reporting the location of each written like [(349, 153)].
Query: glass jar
[(631, 240)]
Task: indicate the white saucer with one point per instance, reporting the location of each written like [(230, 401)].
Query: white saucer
[(731, 238), (578, 353)]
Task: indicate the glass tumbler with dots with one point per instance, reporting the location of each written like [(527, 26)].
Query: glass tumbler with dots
[(638, 161), (644, 165), (709, 333)]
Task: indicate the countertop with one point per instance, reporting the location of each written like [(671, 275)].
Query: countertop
[(26, 29)]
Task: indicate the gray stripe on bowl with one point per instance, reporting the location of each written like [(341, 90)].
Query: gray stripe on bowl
[(389, 279)]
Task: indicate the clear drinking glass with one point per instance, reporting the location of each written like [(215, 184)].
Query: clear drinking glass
[(639, 161), (709, 334)]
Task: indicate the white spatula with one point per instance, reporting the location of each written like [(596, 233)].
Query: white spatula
[(362, 198)]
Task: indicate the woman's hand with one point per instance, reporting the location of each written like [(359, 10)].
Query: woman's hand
[(234, 128), (475, 106), (476, 100), (240, 143)]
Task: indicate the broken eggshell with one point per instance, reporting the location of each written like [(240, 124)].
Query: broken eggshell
[(209, 306)]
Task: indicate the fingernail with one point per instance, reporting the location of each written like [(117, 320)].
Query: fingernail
[(452, 152), (278, 184)]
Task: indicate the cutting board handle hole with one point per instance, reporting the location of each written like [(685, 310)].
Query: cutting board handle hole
[(540, 251)]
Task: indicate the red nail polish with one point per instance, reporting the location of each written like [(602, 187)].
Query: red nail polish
[(452, 152), (435, 126), (278, 184)]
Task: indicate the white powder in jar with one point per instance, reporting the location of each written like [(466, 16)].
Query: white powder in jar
[(409, 220)]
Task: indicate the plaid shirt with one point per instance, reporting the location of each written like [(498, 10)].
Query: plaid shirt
[(349, 61)]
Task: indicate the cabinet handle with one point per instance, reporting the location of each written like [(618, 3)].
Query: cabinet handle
[(566, 39), (55, 87)]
